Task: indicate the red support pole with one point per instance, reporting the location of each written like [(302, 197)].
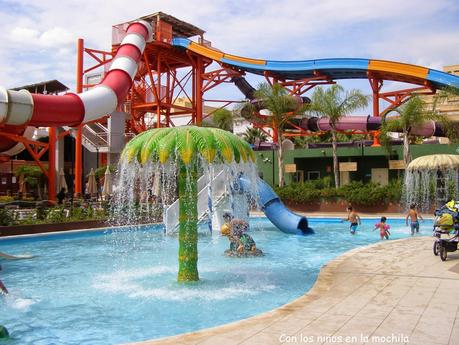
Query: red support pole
[(199, 99), (376, 85), (78, 139), (79, 71), (52, 164), (168, 98), (193, 94), (158, 92)]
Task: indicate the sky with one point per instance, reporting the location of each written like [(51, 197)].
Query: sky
[(38, 38)]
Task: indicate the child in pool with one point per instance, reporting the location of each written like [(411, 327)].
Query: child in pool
[(226, 230), (3, 289), (383, 228), (241, 243), (245, 241), (414, 217), (354, 219)]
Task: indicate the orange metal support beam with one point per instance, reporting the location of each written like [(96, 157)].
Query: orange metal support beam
[(398, 97), (376, 85), (35, 148), (199, 100), (158, 92), (78, 139), (52, 164)]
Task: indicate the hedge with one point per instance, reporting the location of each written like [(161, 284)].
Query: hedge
[(356, 193)]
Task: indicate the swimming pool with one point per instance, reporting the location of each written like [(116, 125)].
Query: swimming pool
[(109, 287)]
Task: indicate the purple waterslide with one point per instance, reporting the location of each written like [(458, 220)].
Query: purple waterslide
[(364, 124)]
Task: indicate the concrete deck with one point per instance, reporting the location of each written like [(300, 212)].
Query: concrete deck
[(393, 292)]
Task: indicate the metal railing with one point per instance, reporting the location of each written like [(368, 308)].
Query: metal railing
[(218, 185), (94, 137)]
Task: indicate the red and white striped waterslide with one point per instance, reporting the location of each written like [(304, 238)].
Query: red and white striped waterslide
[(21, 108)]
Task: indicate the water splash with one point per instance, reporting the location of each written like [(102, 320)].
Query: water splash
[(142, 192), (430, 188)]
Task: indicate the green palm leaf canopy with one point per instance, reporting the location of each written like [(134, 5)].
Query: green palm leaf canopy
[(187, 144)]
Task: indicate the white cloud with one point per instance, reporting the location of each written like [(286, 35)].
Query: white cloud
[(23, 35), (56, 37)]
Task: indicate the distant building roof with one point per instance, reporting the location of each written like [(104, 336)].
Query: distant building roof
[(44, 87), (179, 27)]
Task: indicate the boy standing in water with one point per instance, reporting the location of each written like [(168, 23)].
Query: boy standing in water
[(413, 215), (354, 219)]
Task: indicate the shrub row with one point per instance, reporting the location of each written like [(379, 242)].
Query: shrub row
[(42, 215), (356, 193)]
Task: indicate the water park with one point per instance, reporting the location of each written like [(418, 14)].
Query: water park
[(144, 207)]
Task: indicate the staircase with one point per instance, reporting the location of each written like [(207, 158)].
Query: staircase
[(218, 185), (94, 137)]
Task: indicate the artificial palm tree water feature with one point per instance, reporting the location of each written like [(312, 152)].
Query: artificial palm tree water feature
[(178, 156)]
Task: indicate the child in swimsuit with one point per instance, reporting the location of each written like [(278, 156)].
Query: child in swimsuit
[(383, 228), (227, 231), (413, 215), (241, 243), (354, 219)]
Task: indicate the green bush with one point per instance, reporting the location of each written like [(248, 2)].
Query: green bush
[(78, 213), (5, 217), (358, 193), (41, 212), (6, 198), (299, 192), (394, 191), (369, 194), (329, 193), (56, 215)]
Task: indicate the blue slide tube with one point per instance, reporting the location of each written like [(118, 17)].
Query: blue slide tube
[(284, 219)]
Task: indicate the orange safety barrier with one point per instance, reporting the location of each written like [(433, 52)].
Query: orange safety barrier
[(206, 51), (398, 68), (245, 60)]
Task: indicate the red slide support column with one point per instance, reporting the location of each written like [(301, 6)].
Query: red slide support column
[(199, 100), (52, 164), (376, 85), (78, 139)]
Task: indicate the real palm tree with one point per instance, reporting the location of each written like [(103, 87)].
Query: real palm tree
[(32, 176), (281, 107), (223, 119), (251, 135), (334, 103), (411, 114)]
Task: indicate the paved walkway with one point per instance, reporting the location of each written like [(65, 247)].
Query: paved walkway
[(393, 292)]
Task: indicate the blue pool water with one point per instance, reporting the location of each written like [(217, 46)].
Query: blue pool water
[(114, 287)]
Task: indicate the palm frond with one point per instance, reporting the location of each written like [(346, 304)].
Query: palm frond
[(335, 103)]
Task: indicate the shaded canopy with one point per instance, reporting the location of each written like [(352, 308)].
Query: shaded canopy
[(212, 144), (108, 188), (92, 184), (61, 182), (434, 162)]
